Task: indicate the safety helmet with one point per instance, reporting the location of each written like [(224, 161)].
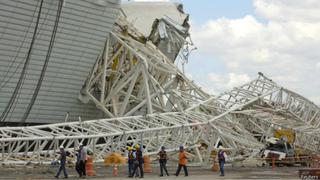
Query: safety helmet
[(130, 148), (61, 147), (137, 146)]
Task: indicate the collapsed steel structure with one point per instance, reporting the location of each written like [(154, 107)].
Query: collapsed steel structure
[(147, 100)]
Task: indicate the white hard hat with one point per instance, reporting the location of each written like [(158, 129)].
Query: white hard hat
[(220, 147), (80, 144), (61, 147)]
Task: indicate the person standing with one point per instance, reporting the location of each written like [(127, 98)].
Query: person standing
[(82, 160), (163, 161), (222, 159), (63, 159), (138, 162), (137, 173), (131, 157), (182, 162)]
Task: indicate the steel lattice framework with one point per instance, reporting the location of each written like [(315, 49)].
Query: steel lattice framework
[(148, 101), (288, 110)]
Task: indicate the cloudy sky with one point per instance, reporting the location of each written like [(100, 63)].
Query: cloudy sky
[(236, 39)]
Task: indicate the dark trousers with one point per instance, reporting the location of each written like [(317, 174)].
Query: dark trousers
[(130, 169), (62, 168), (221, 164), (163, 166), (135, 167), (130, 164), (82, 167), (184, 168), (78, 169)]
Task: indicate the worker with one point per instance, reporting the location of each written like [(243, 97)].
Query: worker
[(162, 155), (182, 162), (131, 157), (77, 167), (137, 173), (222, 156), (63, 159), (138, 161), (82, 160)]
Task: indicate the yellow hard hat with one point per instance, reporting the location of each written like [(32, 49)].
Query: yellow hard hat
[(137, 146), (130, 148)]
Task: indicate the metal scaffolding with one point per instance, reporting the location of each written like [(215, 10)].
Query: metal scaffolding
[(148, 101)]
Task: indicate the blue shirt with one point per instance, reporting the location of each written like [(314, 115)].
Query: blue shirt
[(63, 156), (82, 154)]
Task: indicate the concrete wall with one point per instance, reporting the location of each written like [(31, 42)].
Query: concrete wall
[(81, 34)]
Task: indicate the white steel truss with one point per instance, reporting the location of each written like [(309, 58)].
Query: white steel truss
[(210, 121), (132, 77), (38, 143), (270, 106), (148, 101), (287, 110)]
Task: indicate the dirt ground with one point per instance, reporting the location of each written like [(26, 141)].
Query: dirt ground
[(198, 173)]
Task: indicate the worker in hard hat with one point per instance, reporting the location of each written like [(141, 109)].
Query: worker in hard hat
[(222, 156), (162, 155), (137, 173), (182, 162), (82, 160), (131, 157), (63, 159), (138, 161)]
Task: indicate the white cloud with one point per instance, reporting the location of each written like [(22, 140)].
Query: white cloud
[(286, 47), (209, 90), (228, 81), (316, 100), (288, 10)]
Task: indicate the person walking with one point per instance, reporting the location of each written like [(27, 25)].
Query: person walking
[(182, 162), (63, 159), (222, 159), (82, 160), (78, 169), (138, 162), (163, 161)]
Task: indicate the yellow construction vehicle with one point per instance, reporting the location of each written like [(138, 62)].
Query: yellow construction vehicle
[(281, 149)]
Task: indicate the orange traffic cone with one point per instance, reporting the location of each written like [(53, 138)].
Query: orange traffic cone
[(147, 166), (89, 167), (215, 166), (115, 170)]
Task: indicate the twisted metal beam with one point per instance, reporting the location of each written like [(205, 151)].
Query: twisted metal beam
[(148, 101)]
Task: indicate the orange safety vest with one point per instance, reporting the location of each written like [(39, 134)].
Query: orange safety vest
[(182, 158)]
